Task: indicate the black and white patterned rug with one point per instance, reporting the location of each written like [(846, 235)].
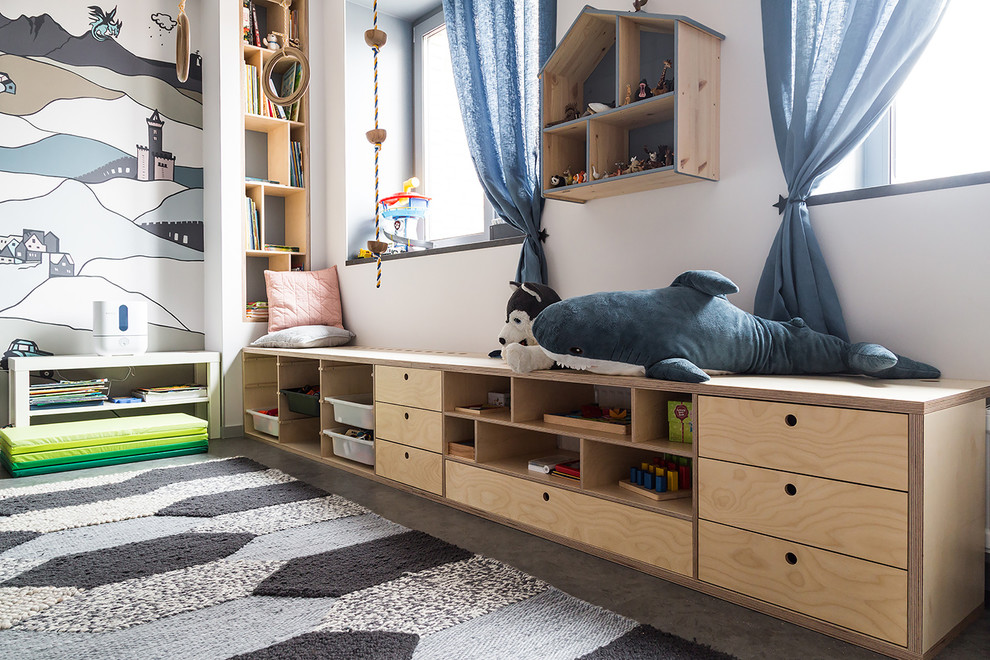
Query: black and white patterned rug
[(229, 559)]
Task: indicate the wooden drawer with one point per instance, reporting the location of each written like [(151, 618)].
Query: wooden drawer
[(410, 426), (837, 443), (642, 535), (419, 388), (861, 521), (414, 467), (853, 593)]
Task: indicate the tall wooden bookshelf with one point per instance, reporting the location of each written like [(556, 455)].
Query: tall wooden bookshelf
[(281, 198)]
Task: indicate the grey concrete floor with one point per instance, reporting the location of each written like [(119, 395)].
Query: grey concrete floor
[(736, 630)]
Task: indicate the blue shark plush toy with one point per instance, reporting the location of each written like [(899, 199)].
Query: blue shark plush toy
[(678, 332)]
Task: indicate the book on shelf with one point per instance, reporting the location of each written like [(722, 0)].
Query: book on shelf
[(255, 30), (480, 409), (170, 392), (571, 468), (257, 310), (295, 160), (246, 33), (253, 225), (546, 464), (271, 247), (258, 179), (66, 393)]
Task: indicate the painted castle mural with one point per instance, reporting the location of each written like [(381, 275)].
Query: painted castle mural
[(101, 172)]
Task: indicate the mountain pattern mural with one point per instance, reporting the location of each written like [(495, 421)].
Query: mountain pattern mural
[(101, 172)]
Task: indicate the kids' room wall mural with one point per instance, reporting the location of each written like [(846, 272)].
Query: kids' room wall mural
[(101, 172)]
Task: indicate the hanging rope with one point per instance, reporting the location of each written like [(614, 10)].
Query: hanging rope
[(376, 39)]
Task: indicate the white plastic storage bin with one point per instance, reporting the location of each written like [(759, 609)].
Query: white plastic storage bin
[(264, 423), (354, 449), (354, 410)]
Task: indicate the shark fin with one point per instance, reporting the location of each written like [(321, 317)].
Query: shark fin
[(706, 281), (677, 369)]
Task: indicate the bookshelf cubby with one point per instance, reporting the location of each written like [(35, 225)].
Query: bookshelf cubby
[(602, 59), (276, 204)]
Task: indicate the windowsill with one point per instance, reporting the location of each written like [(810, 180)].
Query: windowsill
[(498, 242), (901, 188)]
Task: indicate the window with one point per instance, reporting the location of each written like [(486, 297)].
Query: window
[(937, 125), (459, 211)]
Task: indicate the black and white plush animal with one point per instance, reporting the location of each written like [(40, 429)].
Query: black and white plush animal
[(520, 348)]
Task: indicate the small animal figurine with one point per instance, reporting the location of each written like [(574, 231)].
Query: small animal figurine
[(556, 181), (635, 165), (595, 174), (644, 90), (568, 177), (651, 159), (271, 41), (668, 155), (628, 94), (619, 169), (638, 4), (663, 86), (571, 112)]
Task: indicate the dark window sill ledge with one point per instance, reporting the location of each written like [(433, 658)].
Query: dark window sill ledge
[(498, 242), (901, 188)]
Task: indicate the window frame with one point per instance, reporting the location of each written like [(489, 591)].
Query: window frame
[(422, 28)]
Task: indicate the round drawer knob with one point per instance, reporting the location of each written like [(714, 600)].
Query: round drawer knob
[(790, 558), (407, 454), (790, 489), (406, 415), (546, 497), (790, 420)]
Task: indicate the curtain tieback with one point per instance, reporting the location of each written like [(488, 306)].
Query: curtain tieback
[(782, 202)]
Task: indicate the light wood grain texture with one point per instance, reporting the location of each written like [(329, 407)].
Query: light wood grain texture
[(853, 593), (419, 388), (649, 537), (495, 442), (627, 58), (531, 399), (409, 426), (954, 517), (851, 445), (607, 145), (559, 91), (587, 41), (697, 79), (564, 152), (414, 467), (606, 464), (649, 413), (861, 521), (582, 424), (471, 389)]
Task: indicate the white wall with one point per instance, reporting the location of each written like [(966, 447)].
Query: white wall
[(910, 270)]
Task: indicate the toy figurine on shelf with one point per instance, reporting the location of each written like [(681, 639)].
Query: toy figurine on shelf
[(628, 95), (652, 162), (568, 177), (619, 169), (556, 181), (635, 165), (644, 90), (668, 155), (595, 174), (664, 86), (571, 112)]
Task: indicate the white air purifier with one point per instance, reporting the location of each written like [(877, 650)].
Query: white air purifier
[(120, 327)]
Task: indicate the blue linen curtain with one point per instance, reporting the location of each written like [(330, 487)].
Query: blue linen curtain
[(833, 67), (497, 48)]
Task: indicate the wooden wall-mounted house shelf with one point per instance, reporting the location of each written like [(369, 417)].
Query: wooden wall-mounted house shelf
[(602, 53)]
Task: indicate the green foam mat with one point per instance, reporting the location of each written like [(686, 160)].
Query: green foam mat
[(53, 456), (99, 461), (98, 432)]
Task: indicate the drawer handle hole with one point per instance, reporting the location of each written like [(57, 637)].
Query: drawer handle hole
[(406, 415), (790, 420), (546, 497), (790, 489), (407, 454), (791, 558), (405, 376)]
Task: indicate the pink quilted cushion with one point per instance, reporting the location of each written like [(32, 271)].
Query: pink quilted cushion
[(303, 298)]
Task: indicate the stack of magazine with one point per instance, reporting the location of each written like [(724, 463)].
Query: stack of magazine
[(170, 393), (68, 393)]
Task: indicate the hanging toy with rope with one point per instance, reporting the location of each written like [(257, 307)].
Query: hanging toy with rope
[(376, 39)]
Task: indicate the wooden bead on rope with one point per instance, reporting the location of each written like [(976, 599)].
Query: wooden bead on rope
[(377, 247), (375, 38), (376, 135)]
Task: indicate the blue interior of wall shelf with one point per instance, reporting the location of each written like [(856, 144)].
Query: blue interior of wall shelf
[(600, 85)]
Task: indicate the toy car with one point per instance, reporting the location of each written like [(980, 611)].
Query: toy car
[(21, 348)]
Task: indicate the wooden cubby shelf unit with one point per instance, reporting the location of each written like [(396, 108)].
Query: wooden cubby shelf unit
[(848, 505), (603, 55), (283, 209)]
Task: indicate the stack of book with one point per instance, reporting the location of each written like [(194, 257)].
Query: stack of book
[(568, 470), (257, 311), (560, 465), (67, 393), (253, 225), (170, 393), (296, 161), (291, 79), (251, 96)]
